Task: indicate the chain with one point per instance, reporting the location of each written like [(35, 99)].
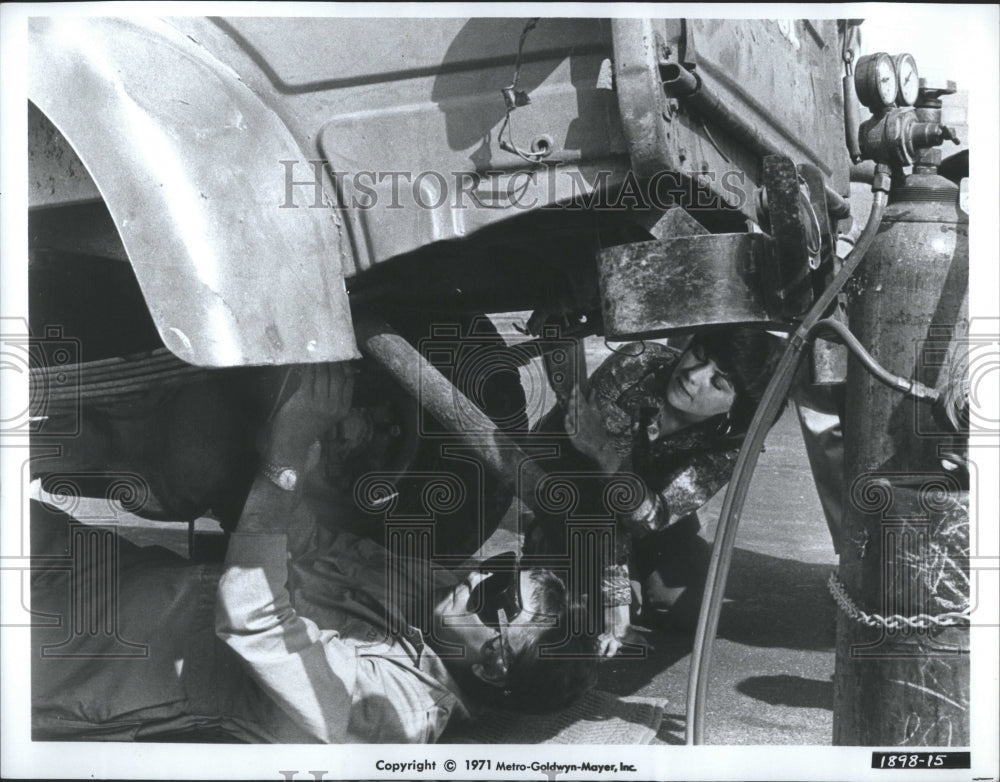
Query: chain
[(894, 622)]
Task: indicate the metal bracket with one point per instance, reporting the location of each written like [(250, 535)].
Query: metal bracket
[(683, 282)]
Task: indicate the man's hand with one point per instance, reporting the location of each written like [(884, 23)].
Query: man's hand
[(322, 396), (321, 399)]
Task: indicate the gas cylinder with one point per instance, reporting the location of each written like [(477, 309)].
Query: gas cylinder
[(905, 528)]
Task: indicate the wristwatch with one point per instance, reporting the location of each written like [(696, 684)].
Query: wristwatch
[(285, 478)]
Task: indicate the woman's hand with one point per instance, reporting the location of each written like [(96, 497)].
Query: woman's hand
[(618, 632), (609, 645), (585, 426), (322, 398)]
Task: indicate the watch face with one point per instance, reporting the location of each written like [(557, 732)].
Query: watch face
[(287, 480)]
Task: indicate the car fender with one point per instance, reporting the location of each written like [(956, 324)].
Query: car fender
[(188, 161)]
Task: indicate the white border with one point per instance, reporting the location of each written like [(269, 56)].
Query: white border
[(975, 53)]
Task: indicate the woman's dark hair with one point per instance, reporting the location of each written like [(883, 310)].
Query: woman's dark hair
[(749, 357), (556, 666)]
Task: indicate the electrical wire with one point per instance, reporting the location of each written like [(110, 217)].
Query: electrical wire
[(620, 352), (711, 140), (814, 240), (511, 98)]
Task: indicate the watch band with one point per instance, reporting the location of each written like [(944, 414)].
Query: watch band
[(285, 478)]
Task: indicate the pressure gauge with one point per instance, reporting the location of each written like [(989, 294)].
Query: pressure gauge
[(906, 76), (875, 81)]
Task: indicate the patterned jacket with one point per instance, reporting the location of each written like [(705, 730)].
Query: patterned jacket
[(683, 470), (679, 472)]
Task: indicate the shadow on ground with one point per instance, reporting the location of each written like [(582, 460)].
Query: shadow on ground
[(785, 690), (770, 602), (776, 602)]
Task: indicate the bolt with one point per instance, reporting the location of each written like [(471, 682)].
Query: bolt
[(670, 108), (542, 145)]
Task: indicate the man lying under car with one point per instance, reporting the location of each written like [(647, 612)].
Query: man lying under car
[(301, 635)]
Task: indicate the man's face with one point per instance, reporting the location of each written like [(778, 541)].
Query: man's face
[(698, 388), (466, 640)]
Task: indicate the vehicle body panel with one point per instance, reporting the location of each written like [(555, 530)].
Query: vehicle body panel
[(251, 165), (184, 156), (781, 76), (385, 102)]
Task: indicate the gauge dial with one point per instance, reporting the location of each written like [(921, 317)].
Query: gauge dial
[(875, 80), (907, 77)]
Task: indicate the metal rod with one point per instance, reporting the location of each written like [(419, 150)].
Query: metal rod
[(453, 409), (732, 507), (684, 85)]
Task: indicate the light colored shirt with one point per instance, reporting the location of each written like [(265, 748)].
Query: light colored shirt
[(314, 656), (326, 652)]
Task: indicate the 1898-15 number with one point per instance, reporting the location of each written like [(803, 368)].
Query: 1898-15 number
[(912, 761), (920, 759)]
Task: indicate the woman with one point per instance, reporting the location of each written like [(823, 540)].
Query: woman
[(676, 420)]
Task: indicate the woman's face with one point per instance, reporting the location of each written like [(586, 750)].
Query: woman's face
[(698, 389)]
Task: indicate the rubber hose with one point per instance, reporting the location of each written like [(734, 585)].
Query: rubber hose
[(732, 507), (896, 382)]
